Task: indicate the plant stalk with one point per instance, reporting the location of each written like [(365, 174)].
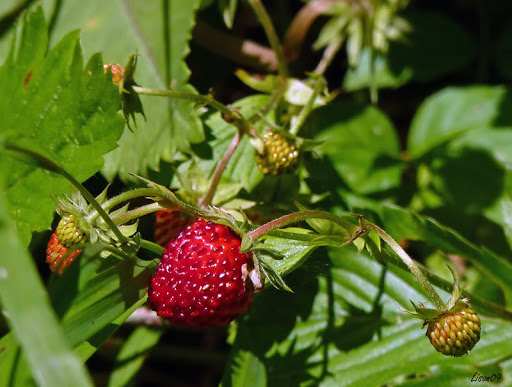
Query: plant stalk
[(298, 217), (227, 113), (138, 212), (272, 37), (206, 200), (415, 270), (51, 166)]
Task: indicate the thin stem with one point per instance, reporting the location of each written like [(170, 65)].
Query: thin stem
[(124, 197), (205, 201), (138, 212), (272, 37), (374, 96), (328, 55), (415, 270), (50, 165), (301, 118), (228, 114), (199, 98), (298, 217)]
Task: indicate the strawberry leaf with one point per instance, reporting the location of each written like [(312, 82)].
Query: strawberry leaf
[(53, 103), (122, 28)]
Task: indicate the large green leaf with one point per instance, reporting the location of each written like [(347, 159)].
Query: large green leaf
[(418, 56), (53, 103), (159, 33), (131, 356), (361, 144), (33, 322), (344, 328), (455, 110), (93, 293)]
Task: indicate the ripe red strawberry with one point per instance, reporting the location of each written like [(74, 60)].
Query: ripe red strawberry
[(59, 253), (202, 279), (168, 223)]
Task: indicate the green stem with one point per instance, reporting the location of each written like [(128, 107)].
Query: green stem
[(298, 217), (228, 114), (138, 213), (206, 201), (50, 165), (124, 197), (301, 118), (415, 270), (272, 37)]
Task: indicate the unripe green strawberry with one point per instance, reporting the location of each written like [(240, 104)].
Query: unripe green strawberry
[(279, 154), (68, 233), (455, 332)]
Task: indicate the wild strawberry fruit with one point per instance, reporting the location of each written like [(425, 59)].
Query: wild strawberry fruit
[(203, 279), (455, 332), (279, 154), (168, 223), (117, 72), (453, 328), (63, 245)]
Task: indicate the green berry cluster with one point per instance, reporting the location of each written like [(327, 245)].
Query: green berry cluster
[(279, 155)]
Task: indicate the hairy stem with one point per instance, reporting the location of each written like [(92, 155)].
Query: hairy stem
[(415, 270), (298, 217), (228, 113), (207, 199), (51, 166), (272, 37), (123, 197), (138, 212)]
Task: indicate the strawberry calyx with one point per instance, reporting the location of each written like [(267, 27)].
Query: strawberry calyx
[(453, 330)]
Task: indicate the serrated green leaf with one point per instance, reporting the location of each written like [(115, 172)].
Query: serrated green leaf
[(25, 301), (69, 112), (361, 143), (291, 253), (444, 115), (159, 32), (131, 356)]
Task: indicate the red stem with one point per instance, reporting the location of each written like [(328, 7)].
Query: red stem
[(206, 200)]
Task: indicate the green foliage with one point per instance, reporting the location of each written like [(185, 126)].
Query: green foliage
[(430, 163)]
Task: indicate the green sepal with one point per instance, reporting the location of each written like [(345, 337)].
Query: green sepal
[(265, 84), (421, 313), (130, 101), (456, 293), (270, 274)]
